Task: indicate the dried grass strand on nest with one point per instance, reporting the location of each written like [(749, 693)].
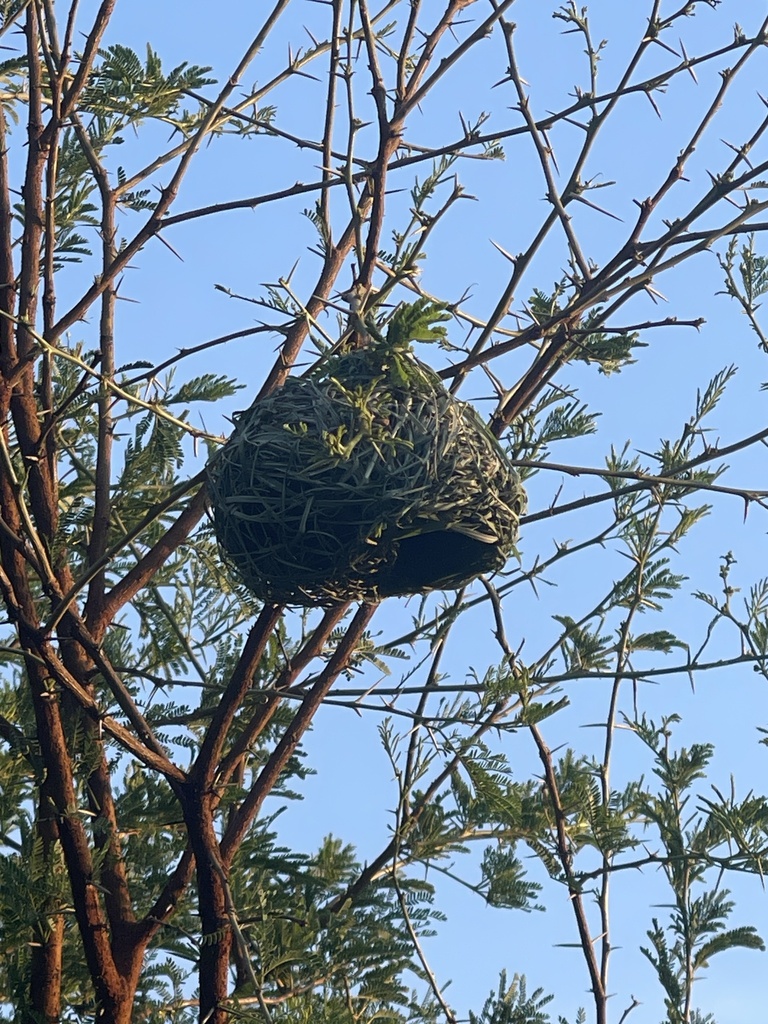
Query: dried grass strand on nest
[(364, 480)]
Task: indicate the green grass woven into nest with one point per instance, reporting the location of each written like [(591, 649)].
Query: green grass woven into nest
[(364, 480)]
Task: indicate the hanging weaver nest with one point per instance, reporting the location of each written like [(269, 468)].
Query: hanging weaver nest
[(365, 479)]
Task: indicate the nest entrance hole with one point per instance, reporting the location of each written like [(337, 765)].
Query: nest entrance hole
[(437, 559)]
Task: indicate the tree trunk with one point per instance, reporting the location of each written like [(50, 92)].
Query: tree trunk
[(45, 983), (216, 948)]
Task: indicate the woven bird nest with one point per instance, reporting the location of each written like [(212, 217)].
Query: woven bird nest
[(365, 479)]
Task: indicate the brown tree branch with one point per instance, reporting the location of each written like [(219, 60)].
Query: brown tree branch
[(563, 846), (42, 483), (649, 479), (74, 841), (296, 334), (8, 354), (270, 773), (62, 606), (89, 55), (138, 577), (157, 760), (207, 761), (266, 710)]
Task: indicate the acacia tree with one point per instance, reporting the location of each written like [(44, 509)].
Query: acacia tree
[(141, 877)]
